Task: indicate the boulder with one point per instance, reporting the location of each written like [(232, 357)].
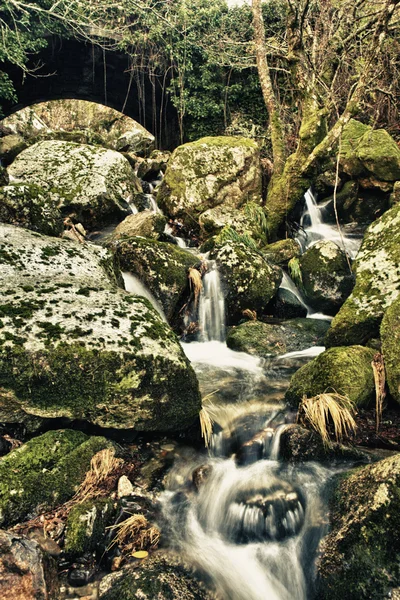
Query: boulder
[(131, 137), (144, 224), (32, 207), (149, 168), (210, 172), (160, 576), (86, 526), (75, 346), (4, 177), (395, 196), (44, 473), (213, 220), (377, 283), (390, 335), (345, 370), (10, 147), (274, 339), (92, 184), (326, 276), (286, 305), (359, 557), (162, 267), (249, 281), (280, 253), (26, 572), (365, 152)]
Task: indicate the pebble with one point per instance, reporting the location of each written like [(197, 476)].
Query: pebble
[(125, 487)]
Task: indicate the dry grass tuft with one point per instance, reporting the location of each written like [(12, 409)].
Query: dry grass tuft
[(102, 466), (325, 409), (196, 284), (207, 419), (135, 533), (378, 368), (251, 315)]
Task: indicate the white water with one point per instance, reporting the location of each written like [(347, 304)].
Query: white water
[(307, 353), (135, 286), (318, 230), (212, 306), (217, 354)]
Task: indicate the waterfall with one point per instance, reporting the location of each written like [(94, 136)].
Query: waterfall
[(288, 284), (212, 306), (312, 209), (135, 286)]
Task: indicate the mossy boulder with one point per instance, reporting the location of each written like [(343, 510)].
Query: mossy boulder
[(268, 339), (365, 151), (93, 184), (162, 267), (377, 283), (346, 370), (74, 346), (326, 276), (86, 526), (280, 253), (130, 136), (249, 281), (360, 556), (213, 221), (210, 172), (145, 224), (162, 576), (287, 305), (390, 335), (10, 146), (149, 168), (30, 206), (44, 473)]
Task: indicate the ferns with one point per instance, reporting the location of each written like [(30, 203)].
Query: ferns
[(295, 272), (256, 213), (228, 234)]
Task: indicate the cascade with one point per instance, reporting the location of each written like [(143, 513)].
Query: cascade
[(135, 286), (212, 306)]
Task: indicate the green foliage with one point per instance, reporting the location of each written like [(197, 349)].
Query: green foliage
[(295, 272), (228, 234), (256, 213)]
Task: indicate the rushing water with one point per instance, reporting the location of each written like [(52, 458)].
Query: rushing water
[(212, 306)]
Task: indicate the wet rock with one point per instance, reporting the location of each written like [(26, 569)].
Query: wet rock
[(249, 281), (365, 151), (377, 283), (286, 305), (280, 253), (125, 487), (32, 207), (10, 146), (162, 576), (210, 172), (79, 576), (26, 572), (44, 472), (274, 339), (149, 168), (390, 334), (359, 557), (345, 370), (161, 267), (326, 276), (145, 224), (75, 346), (200, 475), (91, 183), (86, 526)]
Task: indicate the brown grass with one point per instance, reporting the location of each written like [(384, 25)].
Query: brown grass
[(195, 282), (135, 533), (325, 409), (102, 466), (378, 367), (251, 315)]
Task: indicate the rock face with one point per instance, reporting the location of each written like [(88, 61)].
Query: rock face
[(390, 335), (161, 576), (366, 152), (92, 183), (145, 224), (346, 370), (30, 206), (210, 172), (250, 282), (377, 283), (359, 558), (327, 280), (160, 266), (266, 339), (73, 345), (26, 573), (44, 472)]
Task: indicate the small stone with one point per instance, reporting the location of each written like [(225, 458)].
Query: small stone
[(168, 447), (125, 487)]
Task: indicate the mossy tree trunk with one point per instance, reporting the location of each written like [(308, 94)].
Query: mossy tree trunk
[(314, 71)]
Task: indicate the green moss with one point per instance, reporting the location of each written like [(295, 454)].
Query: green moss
[(86, 526), (390, 334), (44, 473), (346, 370)]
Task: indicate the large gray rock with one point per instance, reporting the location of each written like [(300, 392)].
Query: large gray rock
[(249, 281), (359, 557), (162, 267), (145, 224), (210, 172), (326, 276), (73, 345), (26, 572), (91, 183), (377, 283)]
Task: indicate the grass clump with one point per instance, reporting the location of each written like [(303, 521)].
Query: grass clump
[(326, 410)]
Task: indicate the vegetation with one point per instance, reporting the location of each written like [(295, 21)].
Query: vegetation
[(329, 409)]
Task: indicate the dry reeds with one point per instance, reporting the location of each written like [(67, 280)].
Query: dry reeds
[(378, 369), (196, 284), (102, 466), (133, 533), (206, 418), (329, 408), (251, 315)]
